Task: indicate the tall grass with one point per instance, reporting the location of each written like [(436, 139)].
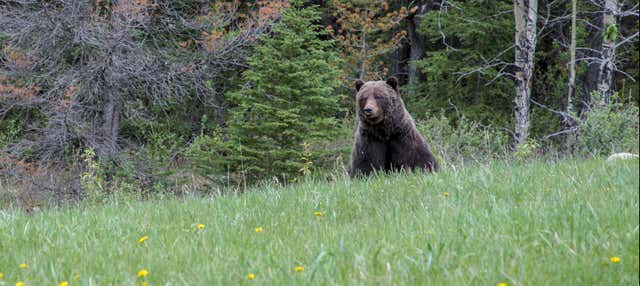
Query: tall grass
[(538, 223)]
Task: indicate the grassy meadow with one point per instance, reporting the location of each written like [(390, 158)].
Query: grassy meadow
[(537, 223)]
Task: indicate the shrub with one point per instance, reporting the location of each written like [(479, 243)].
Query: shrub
[(10, 130), (609, 129), (465, 140)]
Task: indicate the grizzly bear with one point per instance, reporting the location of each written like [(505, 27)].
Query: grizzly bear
[(385, 136)]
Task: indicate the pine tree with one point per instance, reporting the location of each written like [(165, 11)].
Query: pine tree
[(367, 30), (288, 100)]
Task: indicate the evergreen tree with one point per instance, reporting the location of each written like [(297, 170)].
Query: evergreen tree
[(465, 53), (288, 101)]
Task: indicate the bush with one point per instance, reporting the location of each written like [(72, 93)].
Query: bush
[(609, 129), (464, 140), (10, 130)]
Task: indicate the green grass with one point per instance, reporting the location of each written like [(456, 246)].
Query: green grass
[(523, 224)]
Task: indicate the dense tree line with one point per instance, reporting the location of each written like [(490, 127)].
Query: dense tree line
[(152, 88)]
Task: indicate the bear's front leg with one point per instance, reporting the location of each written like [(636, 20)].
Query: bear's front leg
[(410, 153), (366, 156)]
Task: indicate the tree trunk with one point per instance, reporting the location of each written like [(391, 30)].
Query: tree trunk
[(608, 53), (594, 38), (525, 15), (572, 59), (571, 138), (416, 41), (363, 57), (110, 127)]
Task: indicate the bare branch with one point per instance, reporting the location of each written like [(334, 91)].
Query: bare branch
[(565, 116)]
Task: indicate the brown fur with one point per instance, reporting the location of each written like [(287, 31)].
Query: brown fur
[(386, 137)]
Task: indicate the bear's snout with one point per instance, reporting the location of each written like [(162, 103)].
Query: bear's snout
[(372, 112)]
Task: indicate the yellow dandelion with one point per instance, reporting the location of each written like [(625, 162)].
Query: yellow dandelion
[(317, 213), (200, 226), (1, 275), (76, 276), (143, 272), (615, 259), (142, 239), (144, 283), (19, 283), (63, 283), (251, 276), (299, 269), (502, 284), (445, 194), (259, 229), (23, 265)]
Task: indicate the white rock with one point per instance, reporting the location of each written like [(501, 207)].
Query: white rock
[(621, 156)]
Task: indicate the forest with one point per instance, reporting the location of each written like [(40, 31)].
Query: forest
[(188, 96)]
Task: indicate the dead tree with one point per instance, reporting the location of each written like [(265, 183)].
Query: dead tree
[(570, 108), (525, 14), (417, 40), (85, 66), (608, 51), (605, 36)]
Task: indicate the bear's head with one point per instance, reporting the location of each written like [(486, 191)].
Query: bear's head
[(377, 100)]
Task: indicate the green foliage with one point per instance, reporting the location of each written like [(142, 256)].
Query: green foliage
[(155, 163), (465, 140), (289, 98), (204, 153), (538, 223), (609, 128), (162, 138), (462, 39), (15, 122), (549, 87), (610, 33), (10, 130), (92, 179), (527, 150), (307, 161)]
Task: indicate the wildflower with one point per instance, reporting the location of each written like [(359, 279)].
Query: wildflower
[(144, 283), (1, 275), (318, 214), (76, 276), (251, 276), (502, 284), (143, 272), (142, 239), (445, 194), (259, 229), (200, 226), (19, 283), (63, 283), (23, 265), (615, 259), (299, 269)]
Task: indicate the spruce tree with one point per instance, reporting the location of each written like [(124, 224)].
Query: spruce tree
[(288, 100)]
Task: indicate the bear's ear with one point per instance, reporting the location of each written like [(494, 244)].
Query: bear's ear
[(359, 83), (393, 83)]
